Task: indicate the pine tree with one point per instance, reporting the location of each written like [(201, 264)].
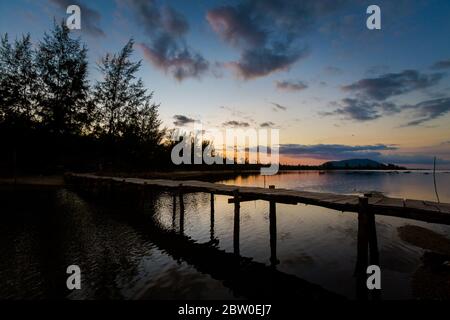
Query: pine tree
[(17, 96), (62, 68), (127, 114), (18, 84)]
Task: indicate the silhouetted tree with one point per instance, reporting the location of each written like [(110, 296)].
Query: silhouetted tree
[(17, 94), (62, 70), (51, 117), (17, 83), (127, 114)]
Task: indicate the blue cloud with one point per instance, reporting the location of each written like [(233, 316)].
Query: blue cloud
[(392, 84), (266, 31), (166, 48)]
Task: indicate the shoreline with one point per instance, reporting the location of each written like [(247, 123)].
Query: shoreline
[(201, 175), (34, 180)]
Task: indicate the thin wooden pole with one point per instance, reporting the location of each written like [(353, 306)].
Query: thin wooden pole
[(237, 219), (174, 210), (362, 250), (273, 231), (211, 231), (373, 242), (373, 249), (181, 210), (434, 179)]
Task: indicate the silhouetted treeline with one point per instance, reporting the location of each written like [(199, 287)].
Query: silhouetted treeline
[(52, 119)]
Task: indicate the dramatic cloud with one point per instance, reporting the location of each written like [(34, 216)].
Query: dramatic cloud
[(181, 120), (261, 62), (180, 63), (443, 64), (167, 49), (393, 84), (291, 85), (361, 110), (268, 124), (90, 18), (371, 102), (236, 26), (429, 110), (268, 32), (278, 107), (154, 18), (174, 22), (236, 124)]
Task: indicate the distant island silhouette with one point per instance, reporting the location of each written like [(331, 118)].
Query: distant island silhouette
[(360, 164), (347, 164)]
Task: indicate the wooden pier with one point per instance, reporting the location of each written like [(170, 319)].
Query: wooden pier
[(379, 205)]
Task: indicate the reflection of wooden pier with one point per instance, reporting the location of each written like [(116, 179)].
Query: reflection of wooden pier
[(244, 276), (366, 207)]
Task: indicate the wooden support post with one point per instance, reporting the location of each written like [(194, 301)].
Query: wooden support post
[(174, 210), (237, 218), (273, 231), (211, 231), (373, 242), (373, 249), (362, 250), (181, 210)]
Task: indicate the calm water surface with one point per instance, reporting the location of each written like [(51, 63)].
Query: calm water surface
[(123, 254)]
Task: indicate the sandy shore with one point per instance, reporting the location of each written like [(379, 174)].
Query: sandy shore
[(432, 279), (212, 175), (55, 181), (58, 180)]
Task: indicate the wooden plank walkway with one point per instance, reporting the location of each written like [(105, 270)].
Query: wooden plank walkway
[(404, 208)]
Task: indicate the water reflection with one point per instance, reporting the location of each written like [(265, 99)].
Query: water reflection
[(367, 253), (237, 225), (213, 240), (273, 234), (146, 244)]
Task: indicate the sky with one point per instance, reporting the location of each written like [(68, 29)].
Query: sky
[(311, 68)]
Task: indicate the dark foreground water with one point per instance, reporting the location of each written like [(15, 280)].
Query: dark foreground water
[(128, 249)]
